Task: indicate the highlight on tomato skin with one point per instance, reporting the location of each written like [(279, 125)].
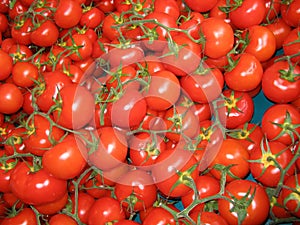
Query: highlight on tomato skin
[(167, 112)]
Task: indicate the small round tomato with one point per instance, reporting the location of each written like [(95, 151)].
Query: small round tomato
[(84, 204), (11, 98), (201, 6), (59, 219), (24, 74), (249, 203), (53, 207), (280, 30), (160, 216), (208, 218), (91, 18), (291, 45), (67, 14), (21, 31), (45, 35), (6, 63), (290, 13), (25, 216), (81, 47)]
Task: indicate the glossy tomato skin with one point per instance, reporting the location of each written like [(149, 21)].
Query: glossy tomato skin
[(280, 30), (11, 98), (24, 74), (273, 119), (291, 46), (26, 216), (6, 62), (84, 204), (208, 218), (290, 13), (279, 84), (159, 216), (105, 210), (45, 35), (81, 47), (67, 14), (36, 188), (58, 219), (53, 207), (258, 208)]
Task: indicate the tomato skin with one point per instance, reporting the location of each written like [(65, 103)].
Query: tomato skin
[(208, 218), (6, 63), (246, 75), (159, 216), (105, 210), (169, 7), (21, 34), (257, 211), (11, 98), (291, 46), (92, 18), (59, 219), (263, 170), (280, 30), (24, 74), (290, 13), (231, 152), (45, 35), (219, 38), (277, 84), (25, 216), (67, 14), (201, 6), (67, 154), (126, 222), (85, 202), (36, 188), (248, 13), (53, 207), (277, 114)]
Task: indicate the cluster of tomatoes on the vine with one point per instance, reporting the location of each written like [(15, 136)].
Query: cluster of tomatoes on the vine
[(141, 112)]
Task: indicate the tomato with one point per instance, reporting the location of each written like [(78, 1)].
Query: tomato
[(81, 47), (290, 13), (56, 59), (11, 98), (25, 216), (291, 45), (159, 216), (36, 188), (280, 83), (126, 222), (67, 14), (247, 13), (45, 35), (280, 122), (21, 31), (206, 186), (201, 6), (24, 74), (68, 154), (203, 86), (111, 150), (20, 52), (136, 190), (261, 42), (290, 194), (3, 22), (268, 161), (58, 219), (169, 7), (91, 18), (208, 218), (280, 30), (53, 207), (219, 38), (6, 63), (14, 141), (235, 109), (272, 10), (112, 19), (105, 210), (163, 90), (75, 107), (246, 74), (106, 5), (250, 203), (180, 168), (84, 204)]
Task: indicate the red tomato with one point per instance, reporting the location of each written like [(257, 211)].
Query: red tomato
[(6, 63), (91, 18), (14, 141), (53, 207), (25, 216), (290, 13), (280, 30), (36, 188), (272, 10), (169, 7), (280, 83), (291, 46), (11, 98), (24, 74), (59, 219), (208, 218), (84, 204), (159, 216), (45, 35), (67, 14), (126, 222), (219, 38), (81, 47), (201, 6), (280, 122), (21, 31), (105, 210), (249, 203)]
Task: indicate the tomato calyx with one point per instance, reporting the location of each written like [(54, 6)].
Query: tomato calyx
[(243, 134), (289, 75), (231, 102)]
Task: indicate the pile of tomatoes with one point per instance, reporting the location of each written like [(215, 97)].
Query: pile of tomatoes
[(131, 112)]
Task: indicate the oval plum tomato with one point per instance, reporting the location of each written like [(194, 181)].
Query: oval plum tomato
[(11, 98), (246, 74), (111, 150), (206, 186), (280, 82), (235, 108), (45, 35), (163, 90), (201, 6), (41, 135), (249, 203), (49, 88), (233, 157), (68, 154), (159, 216), (91, 18), (281, 122), (75, 107), (269, 160), (182, 56), (6, 63), (129, 110), (244, 14), (25, 216), (290, 13), (290, 194), (60, 218), (81, 47), (204, 85), (280, 30), (67, 14), (84, 204), (24, 74), (291, 45), (105, 210), (219, 38), (262, 42), (208, 218), (37, 187), (136, 190), (180, 168)]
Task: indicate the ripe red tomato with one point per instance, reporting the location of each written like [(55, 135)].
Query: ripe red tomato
[(11, 98), (201, 6), (249, 203), (25, 216), (6, 63), (53, 207), (67, 14), (59, 219), (160, 216), (45, 35), (290, 13), (291, 46), (280, 30), (81, 47), (92, 18), (208, 218), (24, 74), (84, 204)]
